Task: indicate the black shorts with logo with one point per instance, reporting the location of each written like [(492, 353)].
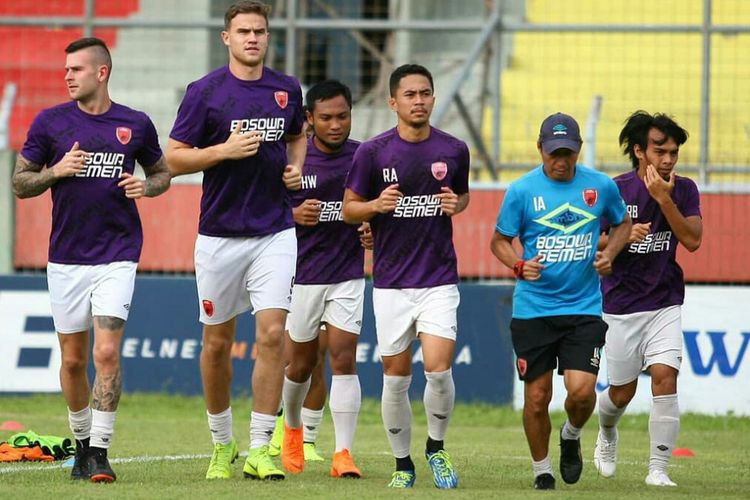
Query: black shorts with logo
[(570, 342)]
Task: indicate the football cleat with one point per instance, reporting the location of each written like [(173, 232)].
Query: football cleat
[(80, 461), (221, 461), (544, 482), (99, 469), (402, 479), (659, 478), (342, 465), (274, 447), (258, 465), (443, 474), (571, 461), (311, 453), (605, 455), (293, 450)]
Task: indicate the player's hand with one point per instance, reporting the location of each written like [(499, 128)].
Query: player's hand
[(448, 201), (72, 163), (388, 199), (659, 189), (239, 145), (134, 187), (639, 232), (292, 178), (365, 236), (603, 264), (307, 212), (532, 268)]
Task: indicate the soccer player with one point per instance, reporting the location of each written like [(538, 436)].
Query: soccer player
[(408, 182), (85, 152), (643, 295), (554, 212), (241, 125), (329, 285)]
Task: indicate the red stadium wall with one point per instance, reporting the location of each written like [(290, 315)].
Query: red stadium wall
[(34, 58), (170, 223)]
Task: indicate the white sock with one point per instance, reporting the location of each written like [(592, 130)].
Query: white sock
[(570, 432), (294, 394), (396, 411), (311, 420), (261, 429), (439, 396), (346, 399), (544, 466), (663, 427), (102, 427), (609, 415), (80, 423), (220, 426)]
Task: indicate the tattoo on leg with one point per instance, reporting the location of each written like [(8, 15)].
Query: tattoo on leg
[(109, 322), (107, 390)]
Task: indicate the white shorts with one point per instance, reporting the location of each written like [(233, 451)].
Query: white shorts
[(639, 340), (237, 274), (403, 313), (78, 292), (338, 304)]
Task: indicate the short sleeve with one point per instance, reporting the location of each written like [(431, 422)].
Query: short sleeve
[(690, 203), (358, 179), (614, 208), (189, 126), (510, 217), (37, 149), (150, 152)]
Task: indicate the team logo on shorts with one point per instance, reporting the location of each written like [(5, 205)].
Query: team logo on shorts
[(590, 196), (522, 366), (208, 308), (282, 98), (124, 134), (439, 170)]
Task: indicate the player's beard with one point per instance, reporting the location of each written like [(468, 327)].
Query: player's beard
[(332, 146)]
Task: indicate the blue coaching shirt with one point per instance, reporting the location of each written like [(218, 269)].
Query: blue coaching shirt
[(560, 222)]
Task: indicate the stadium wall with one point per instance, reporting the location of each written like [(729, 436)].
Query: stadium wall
[(170, 223), (161, 350)]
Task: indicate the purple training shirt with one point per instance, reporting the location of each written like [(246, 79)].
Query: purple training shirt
[(245, 197), (92, 220), (414, 243), (646, 276), (330, 251)]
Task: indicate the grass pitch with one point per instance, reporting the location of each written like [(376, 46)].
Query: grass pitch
[(162, 447)]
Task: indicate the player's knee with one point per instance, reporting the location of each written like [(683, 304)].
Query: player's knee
[(538, 399), (582, 395), (664, 386), (215, 347), (106, 354), (344, 362), (73, 364), (271, 339), (621, 396)]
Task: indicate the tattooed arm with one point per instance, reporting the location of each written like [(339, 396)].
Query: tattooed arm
[(157, 178), (30, 179), (157, 181)]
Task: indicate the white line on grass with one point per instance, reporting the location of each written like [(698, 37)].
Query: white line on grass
[(166, 458)]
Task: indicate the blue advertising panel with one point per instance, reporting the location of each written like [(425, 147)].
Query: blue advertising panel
[(162, 344)]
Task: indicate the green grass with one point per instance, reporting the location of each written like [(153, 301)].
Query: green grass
[(487, 445)]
